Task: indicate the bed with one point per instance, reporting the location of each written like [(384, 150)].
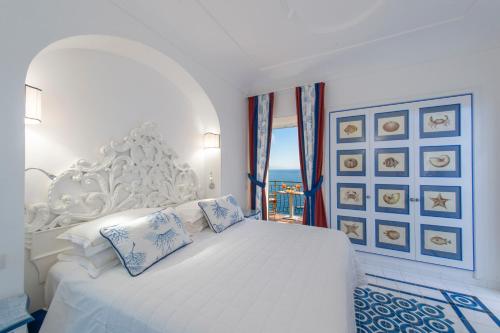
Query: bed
[(256, 276)]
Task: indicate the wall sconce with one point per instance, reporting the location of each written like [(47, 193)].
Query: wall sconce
[(33, 111), (211, 140)]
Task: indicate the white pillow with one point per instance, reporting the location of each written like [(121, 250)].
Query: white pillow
[(196, 226), (89, 251), (222, 212), (143, 242), (94, 265), (87, 234), (189, 212)]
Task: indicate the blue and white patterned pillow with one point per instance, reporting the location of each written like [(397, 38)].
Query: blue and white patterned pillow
[(143, 242), (221, 212)]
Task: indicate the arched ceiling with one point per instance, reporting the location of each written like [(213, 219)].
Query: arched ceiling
[(265, 44)]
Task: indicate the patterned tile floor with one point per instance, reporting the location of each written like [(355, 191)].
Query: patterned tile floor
[(388, 304)]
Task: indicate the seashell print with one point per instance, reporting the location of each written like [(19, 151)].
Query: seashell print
[(438, 240), (351, 163), (392, 198), (439, 161), (392, 234), (350, 129), (351, 195), (390, 162), (391, 126), (351, 229), (434, 123)]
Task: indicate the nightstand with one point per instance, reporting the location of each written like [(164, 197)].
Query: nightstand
[(253, 214), (13, 313)]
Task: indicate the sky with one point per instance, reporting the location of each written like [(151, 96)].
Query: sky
[(284, 149)]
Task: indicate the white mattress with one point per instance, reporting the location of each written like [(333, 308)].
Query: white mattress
[(253, 277)]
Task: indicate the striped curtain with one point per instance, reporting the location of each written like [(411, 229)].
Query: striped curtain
[(310, 122), (260, 120)]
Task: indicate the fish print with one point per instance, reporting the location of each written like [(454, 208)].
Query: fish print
[(392, 234), (350, 129), (438, 240), (390, 162)]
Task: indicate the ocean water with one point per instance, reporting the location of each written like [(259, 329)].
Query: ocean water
[(290, 177)]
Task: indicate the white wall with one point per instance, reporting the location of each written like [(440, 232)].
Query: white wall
[(479, 74), (27, 27)]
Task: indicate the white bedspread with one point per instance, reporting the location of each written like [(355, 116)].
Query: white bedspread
[(253, 277)]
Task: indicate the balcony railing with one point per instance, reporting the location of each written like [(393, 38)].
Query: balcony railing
[(279, 204)]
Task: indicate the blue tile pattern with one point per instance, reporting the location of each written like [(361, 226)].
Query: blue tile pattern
[(377, 311), (380, 308)]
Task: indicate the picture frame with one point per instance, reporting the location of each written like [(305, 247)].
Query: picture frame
[(351, 162), (392, 235), (351, 129), (440, 161), (392, 198), (392, 125), (351, 196), (353, 227), (392, 162), (441, 201), (439, 121), (441, 241)]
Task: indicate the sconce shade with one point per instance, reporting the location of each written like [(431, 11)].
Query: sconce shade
[(33, 111), (211, 140)]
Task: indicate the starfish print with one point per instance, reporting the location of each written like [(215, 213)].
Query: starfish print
[(351, 228), (439, 201)]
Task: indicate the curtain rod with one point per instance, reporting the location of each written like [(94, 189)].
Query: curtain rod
[(287, 88)]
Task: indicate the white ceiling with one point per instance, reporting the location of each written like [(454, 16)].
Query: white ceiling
[(262, 45)]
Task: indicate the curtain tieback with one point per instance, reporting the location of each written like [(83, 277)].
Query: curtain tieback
[(256, 182), (315, 188)]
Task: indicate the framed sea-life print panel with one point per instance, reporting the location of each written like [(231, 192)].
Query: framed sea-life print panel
[(441, 201), (353, 227), (392, 162), (392, 198), (440, 161), (439, 121), (392, 235), (441, 241), (351, 129), (391, 125), (351, 162), (351, 196)]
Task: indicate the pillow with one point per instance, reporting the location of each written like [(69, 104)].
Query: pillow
[(87, 234), (143, 242), (90, 250), (94, 265), (196, 226), (222, 212), (189, 212)]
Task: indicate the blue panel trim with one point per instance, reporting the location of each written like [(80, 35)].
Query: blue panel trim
[(405, 188), (447, 174), (382, 115), (380, 244), (351, 118), (441, 254), (352, 152), (353, 219), (404, 173), (348, 206), (438, 188), (440, 108)]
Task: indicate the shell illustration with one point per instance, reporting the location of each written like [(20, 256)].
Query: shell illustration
[(392, 198), (439, 161), (391, 126), (434, 123), (351, 163), (390, 162), (438, 240), (351, 195), (392, 234), (349, 129)]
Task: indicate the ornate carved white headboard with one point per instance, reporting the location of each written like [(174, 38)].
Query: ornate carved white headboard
[(136, 172)]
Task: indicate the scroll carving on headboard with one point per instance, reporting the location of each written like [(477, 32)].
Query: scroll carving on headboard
[(136, 172)]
